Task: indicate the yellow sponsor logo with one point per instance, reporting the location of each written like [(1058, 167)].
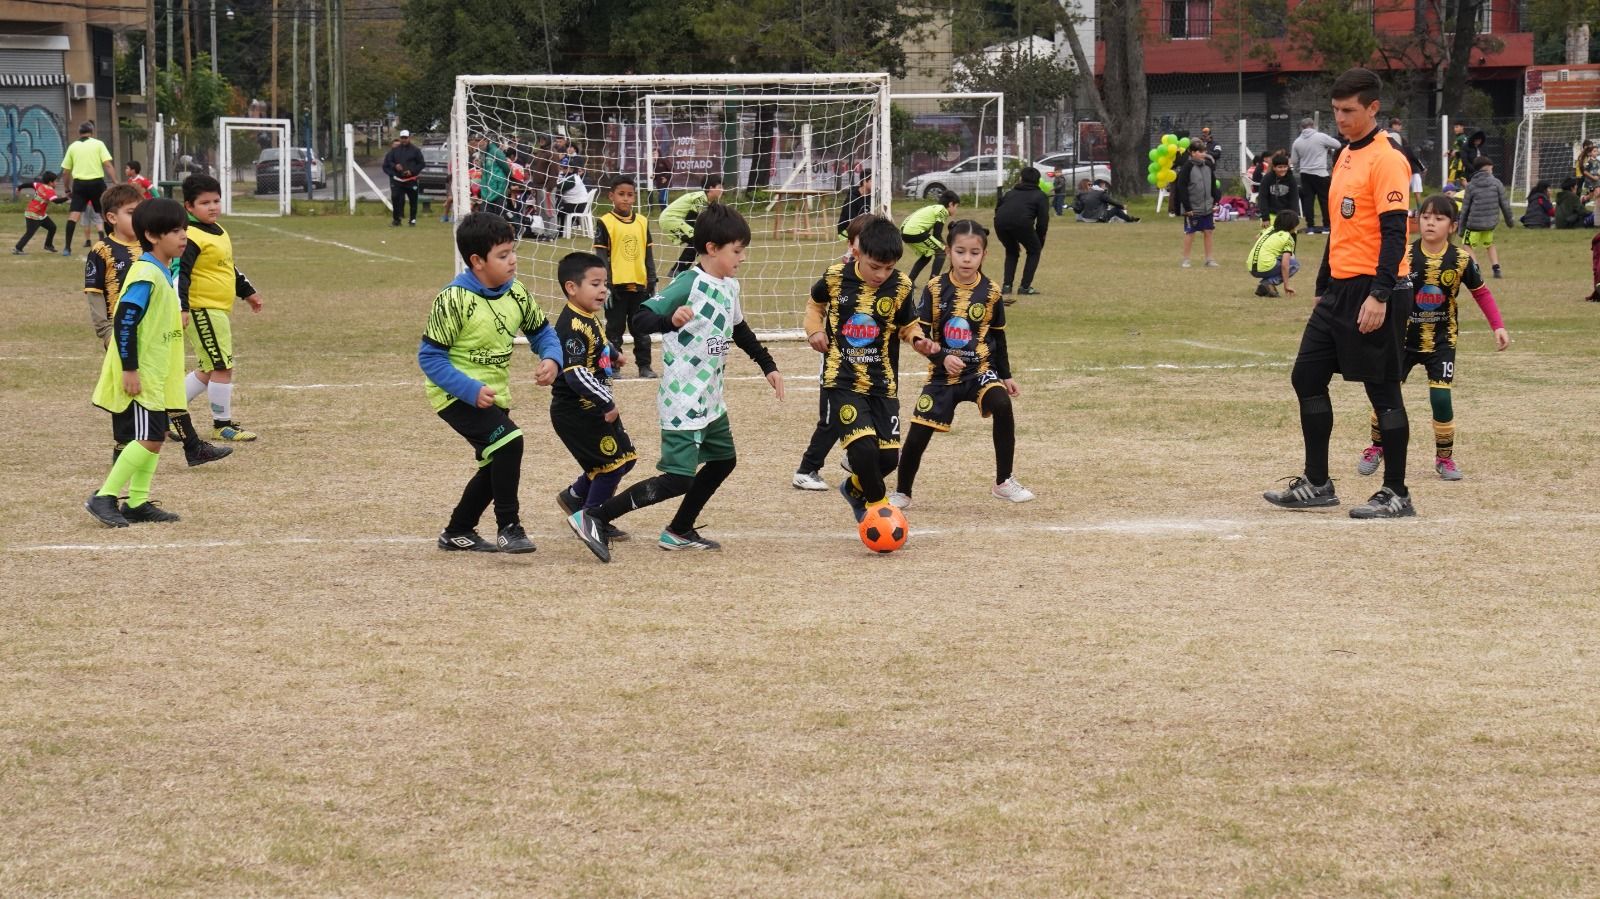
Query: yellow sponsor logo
[(608, 445), (847, 414)]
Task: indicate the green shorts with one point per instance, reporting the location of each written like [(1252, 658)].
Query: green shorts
[(211, 336), (1480, 238), (682, 452)]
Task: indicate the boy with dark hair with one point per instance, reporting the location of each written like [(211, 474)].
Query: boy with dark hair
[(1195, 194), (856, 204), (856, 312), (466, 354), (1280, 191), (142, 373), (208, 284), (701, 314), (104, 271), (678, 219), (131, 175), (1272, 261), (923, 232), (622, 241), (582, 407), (37, 214), (1439, 269), (1486, 201)]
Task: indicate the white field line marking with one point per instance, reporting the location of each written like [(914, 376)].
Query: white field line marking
[(1221, 528), (1197, 344), (331, 243)]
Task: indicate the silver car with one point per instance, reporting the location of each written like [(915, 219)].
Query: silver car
[(975, 174)]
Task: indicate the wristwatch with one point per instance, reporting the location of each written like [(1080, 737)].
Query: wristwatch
[(1381, 296)]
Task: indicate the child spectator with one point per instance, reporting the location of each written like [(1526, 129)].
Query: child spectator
[(678, 220), (131, 174), (142, 374), (1439, 269), (1587, 168), (1280, 191), (701, 310), (1541, 212), (467, 360), (856, 204), (1569, 207), (1272, 260), (622, 241), (208, 284), (1195, 193), (1058, 194), (37, 214), (1486, 202), (105, 269), (1021, 221), (970, 364), (923, 232), (582, 407)]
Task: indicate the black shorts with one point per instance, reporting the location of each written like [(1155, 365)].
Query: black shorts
[(1332, 339), (486, 429), (856, 415), (936, 407), (138, 423), (1439, 364), (86, 192), (598, 445)]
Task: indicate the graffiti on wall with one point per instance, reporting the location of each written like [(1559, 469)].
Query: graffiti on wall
[(32, 140)]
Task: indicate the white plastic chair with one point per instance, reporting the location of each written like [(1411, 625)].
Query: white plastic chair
[(583, 222)]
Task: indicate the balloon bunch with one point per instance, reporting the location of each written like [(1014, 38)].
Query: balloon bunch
[(1162, 157)]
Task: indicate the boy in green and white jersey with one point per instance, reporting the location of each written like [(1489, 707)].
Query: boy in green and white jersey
[(700, 315)]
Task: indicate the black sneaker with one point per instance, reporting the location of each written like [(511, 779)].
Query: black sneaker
[(465, 541), (1263, 289), (568, 503), (1302, 494), (1028, 292), (1385, 504), (206, 452), (858, 503), (588, 530), (690, 539), (104, 508), (513, 539), (150, 511), (612, 533)]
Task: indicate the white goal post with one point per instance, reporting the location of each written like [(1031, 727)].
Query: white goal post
[(995, 126), (272, 134), (1547, 146), (789, 148)]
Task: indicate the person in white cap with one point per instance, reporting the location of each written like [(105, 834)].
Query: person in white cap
[(403, 164)]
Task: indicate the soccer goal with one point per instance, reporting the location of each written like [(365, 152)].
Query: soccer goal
[(1547, 147), (257, 166), (788, 148)]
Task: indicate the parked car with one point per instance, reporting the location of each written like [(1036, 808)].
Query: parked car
[(267, 170), (1066, 162), (435, 177), (972, 175)]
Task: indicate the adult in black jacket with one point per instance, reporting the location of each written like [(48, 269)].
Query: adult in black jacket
[(858, 201), (1280, 191), (403, 164), (1020, 221)]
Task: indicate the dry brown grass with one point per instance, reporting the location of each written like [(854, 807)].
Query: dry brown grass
[(1145, 683)]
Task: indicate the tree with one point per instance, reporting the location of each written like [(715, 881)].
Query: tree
[(1031, 83), (1122, 98), (1570, 18), (909, 140), (194, 101), (1335, 32)]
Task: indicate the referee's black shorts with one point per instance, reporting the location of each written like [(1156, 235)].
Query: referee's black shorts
[(1332, 341), (86, 192)]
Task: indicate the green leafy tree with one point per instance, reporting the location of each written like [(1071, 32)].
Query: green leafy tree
[(194, 102), (909, 140), (1333, 32), (1032, 84), (1566, 23), (1121, 95)]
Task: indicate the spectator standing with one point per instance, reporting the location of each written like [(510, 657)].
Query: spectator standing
[(1309, 158), (403, 164), (1213, 149)]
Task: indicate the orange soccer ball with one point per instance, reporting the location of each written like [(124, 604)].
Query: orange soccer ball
[(884, 529)]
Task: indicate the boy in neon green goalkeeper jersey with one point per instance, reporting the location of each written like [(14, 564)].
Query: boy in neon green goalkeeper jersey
[(677, 220)]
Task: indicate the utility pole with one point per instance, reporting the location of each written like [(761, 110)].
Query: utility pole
[(168, 4), (311, 61), (274, 76), (294, 67), (188, 42), (213, 37), (150, 82)]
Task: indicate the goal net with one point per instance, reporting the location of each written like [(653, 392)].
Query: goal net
[(788, 149), (1547, 147), (254, 168)]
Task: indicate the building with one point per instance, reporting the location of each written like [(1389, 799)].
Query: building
[(1201, 73), (58, 69)]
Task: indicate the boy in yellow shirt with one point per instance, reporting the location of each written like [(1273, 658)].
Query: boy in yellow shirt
[(208, 284)]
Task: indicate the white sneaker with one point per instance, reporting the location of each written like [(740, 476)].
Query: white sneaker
[(809, 480), (1011, 491), (899, 500), (1186, 264), (1212, 263)]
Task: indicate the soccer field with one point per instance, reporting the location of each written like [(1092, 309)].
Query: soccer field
[(1146, 682)]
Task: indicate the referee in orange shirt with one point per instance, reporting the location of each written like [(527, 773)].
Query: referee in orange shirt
[(1358, 326)]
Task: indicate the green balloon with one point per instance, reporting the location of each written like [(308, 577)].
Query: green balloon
[(1153, 167), (1183, 144), (1151, 177), (1169, 138), (1155, 154), (1217, 184)]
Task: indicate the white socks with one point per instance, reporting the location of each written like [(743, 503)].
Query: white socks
[(193, 386), (221, 401)]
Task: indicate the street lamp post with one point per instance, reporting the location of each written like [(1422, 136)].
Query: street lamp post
[(213, 37)]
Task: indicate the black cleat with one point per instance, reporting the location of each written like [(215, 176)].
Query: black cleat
[(1302, 494), (104, 509), (465, 541), (1385, 504), (568, 503), (206, 452), (1028, 292), (150, 511), (513, 539), (588, 529), (858, 503), (690, 539)]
